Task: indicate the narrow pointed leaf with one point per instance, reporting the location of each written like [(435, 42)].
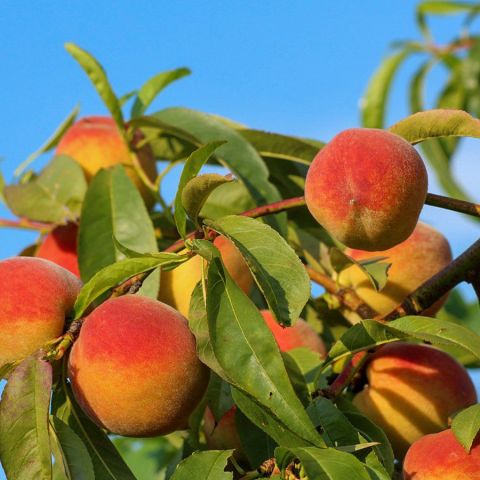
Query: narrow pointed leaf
[(25, 451), (98, 77), (153, 87), (466, 425)]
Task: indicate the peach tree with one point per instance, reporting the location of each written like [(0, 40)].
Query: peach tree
[(194, 322)]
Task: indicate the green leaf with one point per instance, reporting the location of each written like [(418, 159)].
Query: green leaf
[(24, 442), (50, 143), (112, 275), (192, 166), (280, 147), (466, 425), (248, 354), (107, 463), (435, 123), (2, 186), (228, 199), (153, 87), (278, 271), (69, 451), (113, 208), (54, 196), (370, 333), (375, 97), (98, 77), (323, 463), (303, 367), (237, 154), (197, 191), (209, 465)]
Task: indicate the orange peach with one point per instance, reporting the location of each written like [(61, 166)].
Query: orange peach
[(440, 456), (413, 262), (35, 297), (60, 247), (301, 334), (176, 286), (134, 368), (367, 188), (96, 142), (412, 391)]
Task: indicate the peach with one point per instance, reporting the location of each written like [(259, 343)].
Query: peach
[(176, 286), (301, 334), (440, 456), (35, 297), (222, 435), (95, 143), (412, 391), (413, 262), (134, 368), (367, 188), (60, 247)]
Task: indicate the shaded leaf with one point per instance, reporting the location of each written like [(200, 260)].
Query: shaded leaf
[(69, 451), (107, 463), (25, 451), (280, 276), (98, 77), (153, 87), (54, 196)]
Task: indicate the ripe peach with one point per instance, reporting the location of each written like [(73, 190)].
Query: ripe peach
[(95, 143), (301, 334), (413, 261), (222, 435), (176, 286), (134, 368), (367, 188), (412, 390), (440, 456), (35, 297), (60, 247)]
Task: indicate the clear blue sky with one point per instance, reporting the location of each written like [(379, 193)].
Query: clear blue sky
[(292, 67)]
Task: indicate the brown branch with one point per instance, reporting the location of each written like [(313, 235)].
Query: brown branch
[(453, 204), (460, 270), (346, 296)]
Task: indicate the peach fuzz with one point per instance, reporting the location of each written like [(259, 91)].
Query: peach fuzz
[(60, 247), (35, 297), (96, 142), (412, 391), (367, 188), (176, 286), (134, 368), (413, 262), (440, 456), (301, 334)]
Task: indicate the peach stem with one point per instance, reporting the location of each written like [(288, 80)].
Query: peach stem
[(24, 223), (453, 204)]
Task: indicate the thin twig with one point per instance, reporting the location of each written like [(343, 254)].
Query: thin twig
[(24, 223), (453, 204)]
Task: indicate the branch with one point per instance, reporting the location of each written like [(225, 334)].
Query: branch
[(453, 204), (26, 224), (463, 269)]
